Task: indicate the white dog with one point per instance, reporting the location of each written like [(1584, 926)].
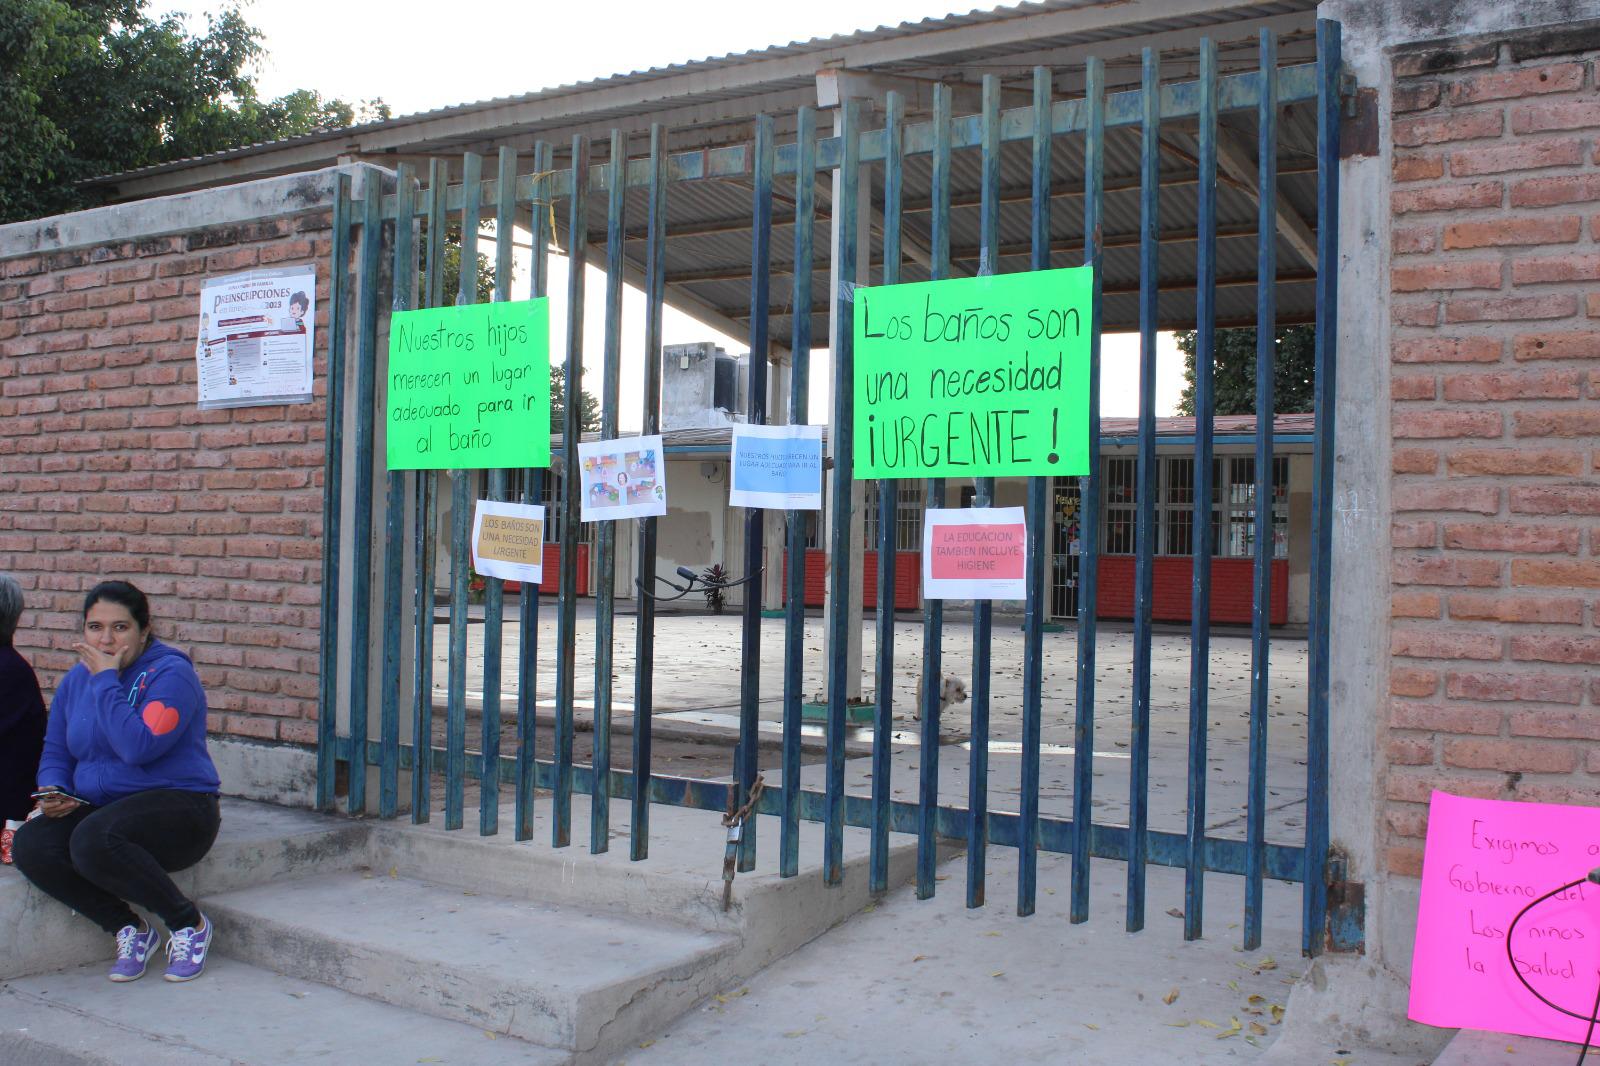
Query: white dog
[(951, 690)]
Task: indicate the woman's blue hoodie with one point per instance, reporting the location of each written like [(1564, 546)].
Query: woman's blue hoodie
[(113, 734)]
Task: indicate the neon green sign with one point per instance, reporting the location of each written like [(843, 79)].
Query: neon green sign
[(973, 377), (469, 387)]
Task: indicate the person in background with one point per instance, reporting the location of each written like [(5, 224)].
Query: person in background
[(127, 790), (21, 720)]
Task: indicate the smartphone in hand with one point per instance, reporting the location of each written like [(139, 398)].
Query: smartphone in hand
[(63, 793)]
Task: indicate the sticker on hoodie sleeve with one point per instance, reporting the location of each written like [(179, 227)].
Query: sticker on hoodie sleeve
[(159, 718)]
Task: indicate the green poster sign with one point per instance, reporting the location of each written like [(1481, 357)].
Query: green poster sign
[(973, 377), (469, 387)]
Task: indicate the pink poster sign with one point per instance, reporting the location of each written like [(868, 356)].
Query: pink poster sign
[(1485, 861), (974, 553)]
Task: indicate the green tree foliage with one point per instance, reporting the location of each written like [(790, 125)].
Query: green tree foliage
[(1293, 370), (94, 87), (588, 406)]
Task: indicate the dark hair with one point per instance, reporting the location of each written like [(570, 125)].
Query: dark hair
[(123, 594), (301, 299)]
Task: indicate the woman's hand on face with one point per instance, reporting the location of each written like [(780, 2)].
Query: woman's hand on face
[(97, 660), (57, 805)]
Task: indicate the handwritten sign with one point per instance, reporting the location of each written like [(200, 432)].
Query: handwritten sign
[(974, 553), (508, 541), (1486, 860), (624, 478), (777, 466), (469, 387), (975, 377)]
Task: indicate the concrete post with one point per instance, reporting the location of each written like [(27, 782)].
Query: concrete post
[(772, 531)]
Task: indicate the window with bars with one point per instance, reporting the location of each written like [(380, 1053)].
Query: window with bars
[(908, 516), (1232, 506), (1121, 504)]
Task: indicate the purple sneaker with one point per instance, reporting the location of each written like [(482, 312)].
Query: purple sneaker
[(186, 951), (133, 952)]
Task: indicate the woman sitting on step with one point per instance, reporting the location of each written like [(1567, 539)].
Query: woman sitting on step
[(127, 791)]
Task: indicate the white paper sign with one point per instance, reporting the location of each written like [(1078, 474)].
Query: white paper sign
[(256, 338), (778, 467), (508, 541), (624, 478), (974, 553)]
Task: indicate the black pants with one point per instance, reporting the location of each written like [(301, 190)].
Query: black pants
[(97, 860)]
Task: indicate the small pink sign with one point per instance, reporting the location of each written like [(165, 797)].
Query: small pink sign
[(968, 553), (1484, 862)]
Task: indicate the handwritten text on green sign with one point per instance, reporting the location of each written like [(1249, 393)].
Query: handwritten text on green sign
[(469, 387), (973, 377)]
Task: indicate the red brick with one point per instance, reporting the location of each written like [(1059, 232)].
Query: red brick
[(1414, 461), (1548, 192), (1477, 607), (1555, 268), (1548, 115), (1411, 313), (1555, 499), (1446, 570), (1524, 155), (1555, 573), (1415, 97), (1516, 230), (1448, 350), (1433, 425), (1548, 462), (1508, 537), (1436, 643), (1552, 649), (1408, 751), (1447, 197), (1459, 274), (1414, 534), (1556, 422), (1413, 387), (1528, 81), (1414, 605), (1512, 756), (1478, 499), (1542, 687), (1438, 129), (1403, 861), (1418, 167), (1514, 385), (1411, 681), (1577, 344), (1512, 308), (1483, 721)]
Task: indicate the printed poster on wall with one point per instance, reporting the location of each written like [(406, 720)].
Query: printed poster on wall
[(974, 553), (508, 541), (778, 467), (624, 478), (1485, 861), (255, 338)]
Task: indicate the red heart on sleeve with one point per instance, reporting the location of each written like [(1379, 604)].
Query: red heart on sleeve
[(159, 718)]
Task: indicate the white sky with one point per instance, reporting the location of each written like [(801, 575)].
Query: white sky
[(421, 56)]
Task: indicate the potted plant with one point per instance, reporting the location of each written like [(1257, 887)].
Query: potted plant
[(714, 576)]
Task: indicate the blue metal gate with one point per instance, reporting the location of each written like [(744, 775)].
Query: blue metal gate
[(377, 222)]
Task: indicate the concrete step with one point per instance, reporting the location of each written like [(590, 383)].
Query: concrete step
[(236, 1015), (563, 976), (1472, 1048)]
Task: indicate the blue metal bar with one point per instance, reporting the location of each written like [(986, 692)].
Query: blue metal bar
[(1315, 874), (427, 527), (455, 764), (605, 589), (361, 580), (1201, 534), (394, 546), (1145, 540), (571, 432), (1094, 157), (888, 515), (332, 494), (1260, 616), (1037, 519), (983, 496), (645, 631), (755, 517), (1055, 835), (532, 493), (932, 609), (794, 605), (845, 217), (494, 603)]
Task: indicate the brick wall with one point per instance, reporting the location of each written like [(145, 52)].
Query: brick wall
[(108, 469), (1495, 389)]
